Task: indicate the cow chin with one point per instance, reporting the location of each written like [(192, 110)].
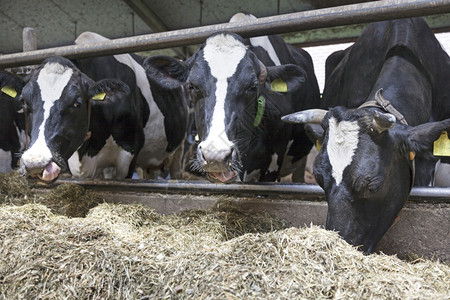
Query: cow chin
[(363, 235)]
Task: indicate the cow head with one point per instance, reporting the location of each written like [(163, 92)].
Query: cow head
[(365, 166), (225, 80), (56, 97)]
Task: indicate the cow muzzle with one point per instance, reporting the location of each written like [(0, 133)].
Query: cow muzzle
[(36, 166), (217, 163)]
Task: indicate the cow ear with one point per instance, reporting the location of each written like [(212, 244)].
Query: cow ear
[(10, 84), (166, 71), (422, 138), (285, 78), (106, 88)]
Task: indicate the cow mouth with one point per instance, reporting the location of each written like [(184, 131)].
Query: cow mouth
[(222, 177), (48, 174)]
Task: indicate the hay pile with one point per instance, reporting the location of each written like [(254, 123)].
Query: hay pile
[(130, 252)]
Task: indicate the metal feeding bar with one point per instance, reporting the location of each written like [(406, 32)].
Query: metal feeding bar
[(259, 190), (294, 22)]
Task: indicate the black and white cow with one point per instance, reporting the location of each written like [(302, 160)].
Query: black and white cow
[(239, 99), (163, 110), (12, 124), (115, 134), (387, 96), (57, 97)]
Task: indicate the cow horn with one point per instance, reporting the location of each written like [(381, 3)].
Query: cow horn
[(379, 97), (383, 121), (314, 116), (262, 73)]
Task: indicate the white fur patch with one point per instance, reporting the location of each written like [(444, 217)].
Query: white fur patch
[(110, 156), (252, 177), (264, 42), (52, 80), (223, 54), (273, 167), (343, 139), (261, 41)]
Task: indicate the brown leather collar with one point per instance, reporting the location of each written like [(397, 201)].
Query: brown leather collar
[(384, 104)]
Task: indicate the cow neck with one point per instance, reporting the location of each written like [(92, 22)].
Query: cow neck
[(386, 106)]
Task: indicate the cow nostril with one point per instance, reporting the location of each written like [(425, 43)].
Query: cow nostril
[(200, 154)]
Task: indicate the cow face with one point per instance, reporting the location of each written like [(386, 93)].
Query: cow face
[(365, 167), (226, 81), (56, 97)]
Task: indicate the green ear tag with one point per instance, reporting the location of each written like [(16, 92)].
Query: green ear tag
[(9, 91), (260, 111), (441, 146), (99, 96), (278, 85)]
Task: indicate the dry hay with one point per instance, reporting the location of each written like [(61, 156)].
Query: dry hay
[(67, 199), (131, 252)]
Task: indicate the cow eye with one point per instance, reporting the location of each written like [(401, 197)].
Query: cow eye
[(251, 90), (195, 91), (375, 184), (28, 108), (77, 102)]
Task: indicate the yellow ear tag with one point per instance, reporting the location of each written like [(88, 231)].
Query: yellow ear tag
[(412, 155), (441, 146), (318, 145), (278, 85), (9, 91), (99, 96)]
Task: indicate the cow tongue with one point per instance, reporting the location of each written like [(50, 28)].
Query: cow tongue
[(223, 176), (50, 172)]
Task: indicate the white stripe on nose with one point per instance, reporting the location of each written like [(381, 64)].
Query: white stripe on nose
[(222, 53)]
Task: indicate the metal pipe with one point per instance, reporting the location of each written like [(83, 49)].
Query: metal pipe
[(306, 20), (260, 190)]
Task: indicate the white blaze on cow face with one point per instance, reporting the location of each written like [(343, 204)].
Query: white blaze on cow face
[(52, 80), (342, 142), (223, 54)]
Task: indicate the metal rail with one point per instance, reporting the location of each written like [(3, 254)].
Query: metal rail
[(306, 20), (260, 190)]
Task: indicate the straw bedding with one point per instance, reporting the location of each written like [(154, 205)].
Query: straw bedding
[(48, 251)]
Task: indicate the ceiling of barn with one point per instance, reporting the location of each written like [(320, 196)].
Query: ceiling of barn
[(59, 22)]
